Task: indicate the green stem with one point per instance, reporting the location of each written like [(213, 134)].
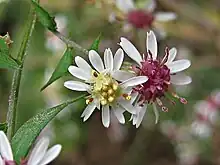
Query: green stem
[(14, 93), (70, 43)]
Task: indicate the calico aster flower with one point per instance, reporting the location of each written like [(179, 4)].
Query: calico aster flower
[(161, 73), (101, 83), (142, 18), (40, 154)]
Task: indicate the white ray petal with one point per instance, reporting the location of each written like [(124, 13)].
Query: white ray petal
[(76, 86), (134, 119), (1, 161), (140, 116), (127, 106), (51, 154), (151, 44), (125, 5), (5, 147), (180, 79), (38, 152), (118, 59), (156, 113), (79, 73), (122, 75), (178, 66), (172, 55), (118, 111), (81, 63), (106, 116), (165, 16), (88, 111), (151, 6), (96, 60), (134, 81), (108, 59), (133, 97), (131, 50)]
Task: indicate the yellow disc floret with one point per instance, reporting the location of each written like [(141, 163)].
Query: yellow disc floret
[(105, 88)]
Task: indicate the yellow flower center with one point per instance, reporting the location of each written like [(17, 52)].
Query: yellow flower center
[(105, 88)]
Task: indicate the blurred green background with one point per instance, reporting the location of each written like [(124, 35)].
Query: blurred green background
[(196, 35)]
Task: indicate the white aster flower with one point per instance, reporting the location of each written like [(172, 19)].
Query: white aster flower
[(142, 18), (6, 155), (160, 73), (41, 155), (102, 85)]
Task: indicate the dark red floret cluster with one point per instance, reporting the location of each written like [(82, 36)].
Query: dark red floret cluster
[(140, 18)]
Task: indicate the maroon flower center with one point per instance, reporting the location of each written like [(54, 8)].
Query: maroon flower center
[(158, 80), (9, 162), (140, 18)]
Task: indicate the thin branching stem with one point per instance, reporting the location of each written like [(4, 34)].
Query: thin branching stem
[(14, 93), (71, 43)]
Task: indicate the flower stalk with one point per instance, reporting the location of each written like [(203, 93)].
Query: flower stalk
[(14, 93), (70, 43)]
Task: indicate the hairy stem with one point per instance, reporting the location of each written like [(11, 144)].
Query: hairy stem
[(14, 93), (71, 43)]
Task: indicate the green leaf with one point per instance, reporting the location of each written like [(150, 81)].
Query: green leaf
[(95, 44), (27, 133), (5, 60), (44, 17), (61, 68), (3, 127)]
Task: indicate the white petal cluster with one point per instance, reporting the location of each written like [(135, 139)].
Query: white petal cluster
[(96, 77), (128, 5), (40, 154)]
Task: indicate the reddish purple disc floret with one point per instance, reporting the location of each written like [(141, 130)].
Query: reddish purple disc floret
[(140, 18), (158, 80)]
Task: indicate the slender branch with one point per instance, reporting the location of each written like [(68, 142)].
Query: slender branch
[(70, 43), (13, 98)]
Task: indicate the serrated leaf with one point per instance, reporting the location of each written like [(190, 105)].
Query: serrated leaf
[(44, 17), (5, 60), (95, 44), (61, 68), (3, 127), (27, 133)]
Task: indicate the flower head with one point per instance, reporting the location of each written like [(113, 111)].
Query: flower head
[(142, 18), (40, 154), (109, 87), (161, 73)]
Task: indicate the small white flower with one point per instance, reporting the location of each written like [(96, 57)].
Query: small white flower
[(103, 86), (6, 155), (41, 155), (161, 73), (142, 18)]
